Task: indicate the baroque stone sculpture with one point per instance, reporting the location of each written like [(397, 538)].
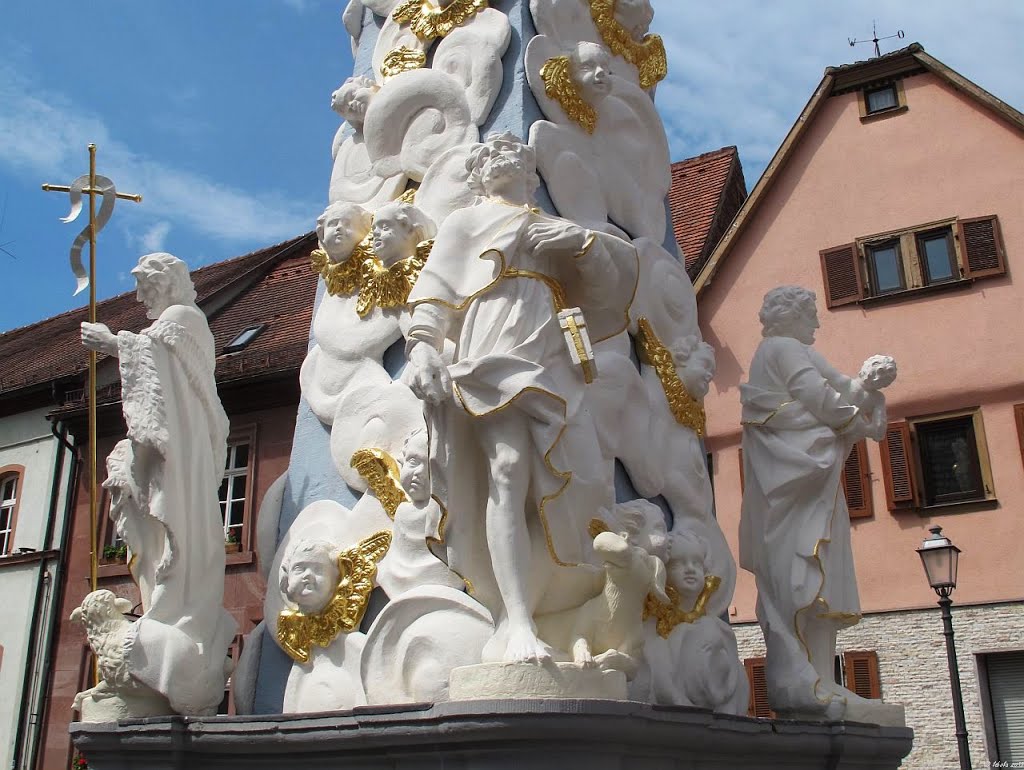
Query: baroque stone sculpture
[(164, 479), (801, 417)]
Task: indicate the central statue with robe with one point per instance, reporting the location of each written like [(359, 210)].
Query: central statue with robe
[(500, 284)]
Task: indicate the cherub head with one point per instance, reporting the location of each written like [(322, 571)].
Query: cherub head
[(503, 166), (589, 64), (415, 475), (352, 99), (878, 372), (340, 229), (397, 228), (696, 362), (162, 280), (687, 563), (789, 311), (635, 15), (309, 574)]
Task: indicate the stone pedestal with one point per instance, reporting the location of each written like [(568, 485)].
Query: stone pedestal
[(492, 681), (492, 735)]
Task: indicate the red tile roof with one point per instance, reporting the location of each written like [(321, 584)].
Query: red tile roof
[(52, 350), (703, 199)]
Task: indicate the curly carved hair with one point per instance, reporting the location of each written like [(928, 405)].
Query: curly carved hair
[(494, 146), (781, 305), (317, 548), (422, 225), (168, 272)]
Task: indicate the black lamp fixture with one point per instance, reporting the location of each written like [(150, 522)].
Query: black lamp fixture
[(940, 559)]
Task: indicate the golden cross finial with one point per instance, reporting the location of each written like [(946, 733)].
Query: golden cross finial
[(91, 185)]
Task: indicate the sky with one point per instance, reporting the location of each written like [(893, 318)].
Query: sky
[(218, 112)]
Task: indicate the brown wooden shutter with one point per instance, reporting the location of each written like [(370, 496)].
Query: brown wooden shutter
[(857, 482), (862, 673), (1018, 415), (898, 467), (758, 704), (981, 243), (840, 268)]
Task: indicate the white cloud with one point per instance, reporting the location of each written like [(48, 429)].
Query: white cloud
[(45, 134), (155, 237), (740, 72)]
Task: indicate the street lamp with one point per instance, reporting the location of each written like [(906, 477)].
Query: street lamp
[(939, 557)]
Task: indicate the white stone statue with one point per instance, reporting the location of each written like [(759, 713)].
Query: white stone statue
[(369, 264), (620, 25), (800, 419), (409, 562), (691, 652), (507, 410), (602, 150), (165, 478), (353, 179)]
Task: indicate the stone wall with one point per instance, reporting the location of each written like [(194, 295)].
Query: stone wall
[(913, 671)]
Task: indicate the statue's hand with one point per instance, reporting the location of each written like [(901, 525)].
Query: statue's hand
[(428, 376), (99, 338), (555, 238)]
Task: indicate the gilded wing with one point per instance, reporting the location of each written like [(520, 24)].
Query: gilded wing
[(381, 473), (428, 21), (357, 568), (342, 278)]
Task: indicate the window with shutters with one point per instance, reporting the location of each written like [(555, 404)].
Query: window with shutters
[(948, 253), (1001, 675), (935, 461), (758, 705), (860, 673)]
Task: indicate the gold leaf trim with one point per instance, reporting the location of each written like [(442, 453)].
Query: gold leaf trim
[(364, 274), (559, 85), (688, 411), (670, 615), (402, 59), (648, 56), (427, 21), (357, 567)]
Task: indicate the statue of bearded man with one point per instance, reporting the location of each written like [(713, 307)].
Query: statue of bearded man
[(518, 446)]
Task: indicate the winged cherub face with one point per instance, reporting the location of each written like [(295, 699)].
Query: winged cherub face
[(414, 476), (310, 577), (393, 233)]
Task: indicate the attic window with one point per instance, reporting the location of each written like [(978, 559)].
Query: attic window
[(244, 337), (882, 99)]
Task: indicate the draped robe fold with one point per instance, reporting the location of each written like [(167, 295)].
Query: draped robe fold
[(178, 432)]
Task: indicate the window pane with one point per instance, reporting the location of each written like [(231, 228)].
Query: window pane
[(237, 511), (882, 99), (9, 487), (935, 251), (241, 456), (949, 459), (238, 488), (886, 268), (222, 494)]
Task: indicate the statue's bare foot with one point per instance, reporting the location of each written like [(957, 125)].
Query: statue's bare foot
[(525, 647)]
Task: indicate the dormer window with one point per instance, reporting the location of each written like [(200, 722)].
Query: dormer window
[(244, 338)]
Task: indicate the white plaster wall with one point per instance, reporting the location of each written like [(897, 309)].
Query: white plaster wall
[(26, 440), (913, 671)]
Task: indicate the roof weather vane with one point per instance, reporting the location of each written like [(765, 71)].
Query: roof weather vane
[(875, 38)]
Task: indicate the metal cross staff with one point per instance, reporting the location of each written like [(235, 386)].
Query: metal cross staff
[(90, 184)]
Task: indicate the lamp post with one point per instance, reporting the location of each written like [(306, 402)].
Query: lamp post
[(939, 557)]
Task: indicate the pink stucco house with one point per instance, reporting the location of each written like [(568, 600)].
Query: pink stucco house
[(898, 197)]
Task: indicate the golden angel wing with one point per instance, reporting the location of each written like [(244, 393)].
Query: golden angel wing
[(382, 477), (341, 278)]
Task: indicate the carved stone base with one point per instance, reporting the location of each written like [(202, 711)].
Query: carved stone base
[(117, 707), (529, 680), (492, 735)]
